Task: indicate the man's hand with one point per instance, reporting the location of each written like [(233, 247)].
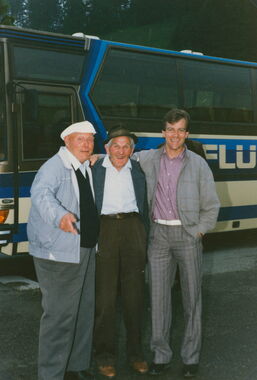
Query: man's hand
[(66, 223), (93, 158)]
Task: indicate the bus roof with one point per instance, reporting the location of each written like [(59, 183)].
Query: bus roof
[(18, 33), (199, 57)]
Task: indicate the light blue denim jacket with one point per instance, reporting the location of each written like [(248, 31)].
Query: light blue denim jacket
[(54, 193)]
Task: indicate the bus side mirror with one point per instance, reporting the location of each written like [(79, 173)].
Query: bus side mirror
[(30, 106)]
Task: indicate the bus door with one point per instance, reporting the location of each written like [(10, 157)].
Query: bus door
[(6, 194), (39, 113)]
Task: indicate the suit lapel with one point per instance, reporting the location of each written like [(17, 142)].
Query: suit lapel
[(156, 169), (138, 183), (98, 178)]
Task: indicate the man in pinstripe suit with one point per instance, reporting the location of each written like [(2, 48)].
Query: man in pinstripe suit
[(184, 205)]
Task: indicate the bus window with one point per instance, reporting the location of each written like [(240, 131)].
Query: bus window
[(2, 108), (41, 134), (215, 92), (136, 86), (41, 64)]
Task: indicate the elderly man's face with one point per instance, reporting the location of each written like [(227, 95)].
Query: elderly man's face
[(119, 151), (81, 145)]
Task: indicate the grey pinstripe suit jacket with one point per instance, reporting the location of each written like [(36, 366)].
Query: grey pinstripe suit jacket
[(197, 200)]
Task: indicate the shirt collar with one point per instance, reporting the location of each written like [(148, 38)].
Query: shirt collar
[(107, 163), (179, 157), (75, 162)]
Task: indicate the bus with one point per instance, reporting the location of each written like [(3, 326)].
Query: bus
[(48, 81)]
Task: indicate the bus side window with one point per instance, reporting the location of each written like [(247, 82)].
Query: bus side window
[(215, 92), (136, 86)]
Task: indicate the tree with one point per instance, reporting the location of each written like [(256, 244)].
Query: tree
[(215, 27), (144, 12), (106, 16), (41, 14), (74, 16), (5, 18)]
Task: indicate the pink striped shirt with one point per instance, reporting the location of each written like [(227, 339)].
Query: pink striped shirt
[(165, 206)]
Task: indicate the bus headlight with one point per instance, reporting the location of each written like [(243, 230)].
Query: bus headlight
[(3, 215)]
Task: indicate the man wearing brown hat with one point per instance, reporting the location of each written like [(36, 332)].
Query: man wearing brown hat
[(120, 195), (63, 231)]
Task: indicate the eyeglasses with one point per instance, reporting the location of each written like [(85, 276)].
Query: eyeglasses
[(173, 131)]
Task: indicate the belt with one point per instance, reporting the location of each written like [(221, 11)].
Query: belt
[(175, 222), (120, 215)]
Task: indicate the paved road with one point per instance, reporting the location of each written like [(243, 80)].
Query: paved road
[(229, 316), (229, 325)]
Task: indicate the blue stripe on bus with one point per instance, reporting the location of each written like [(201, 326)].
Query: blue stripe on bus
[(7, 192), (61, 40), (225, 214), (6, 184), (147, 142), (180, 53), (22, 233), (230, 159), (96, 54)]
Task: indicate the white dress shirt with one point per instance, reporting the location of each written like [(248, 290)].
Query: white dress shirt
[(119, 194)]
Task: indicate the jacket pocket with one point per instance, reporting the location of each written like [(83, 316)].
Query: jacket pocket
[(190, 211)]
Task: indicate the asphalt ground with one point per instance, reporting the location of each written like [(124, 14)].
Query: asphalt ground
[(229, 350)]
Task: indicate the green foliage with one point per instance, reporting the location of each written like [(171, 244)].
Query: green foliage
[(74, 17), (215, 27), (5, 18)]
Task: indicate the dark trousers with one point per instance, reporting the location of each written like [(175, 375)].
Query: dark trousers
[(120, 265)]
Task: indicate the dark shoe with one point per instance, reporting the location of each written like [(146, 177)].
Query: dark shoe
[(139, 366), (157, 369), (190, 370), (107, 370), (80, 375)]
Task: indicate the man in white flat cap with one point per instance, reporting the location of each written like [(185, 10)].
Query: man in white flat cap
[(63, 230)]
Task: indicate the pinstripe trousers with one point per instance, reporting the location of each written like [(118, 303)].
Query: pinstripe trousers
[(169, 247)]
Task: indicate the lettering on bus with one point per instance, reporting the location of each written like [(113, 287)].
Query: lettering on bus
[(232, 161)]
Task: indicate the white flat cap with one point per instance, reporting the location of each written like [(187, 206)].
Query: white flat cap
[(82, 127)]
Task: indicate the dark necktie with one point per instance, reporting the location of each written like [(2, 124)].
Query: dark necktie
[(89, 221)]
